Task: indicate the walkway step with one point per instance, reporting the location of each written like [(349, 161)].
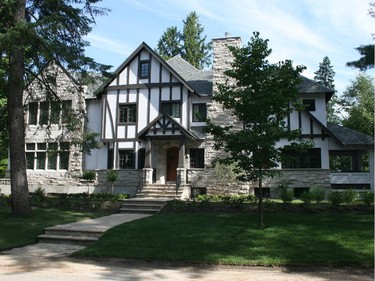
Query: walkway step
[(87, 231), (142, 206), (64, 239)]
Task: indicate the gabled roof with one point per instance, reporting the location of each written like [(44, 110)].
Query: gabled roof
[(309, 86), (164, 120), (349, 137), (200, 80), (157, 57)]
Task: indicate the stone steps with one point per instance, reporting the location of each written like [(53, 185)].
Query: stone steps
[(160, 191), (143, 206), (60, 235)]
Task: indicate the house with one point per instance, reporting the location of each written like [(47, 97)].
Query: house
[(148, 118), (151, 131)]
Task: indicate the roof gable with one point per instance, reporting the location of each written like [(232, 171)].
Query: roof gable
[(141, 47), (165, 126)]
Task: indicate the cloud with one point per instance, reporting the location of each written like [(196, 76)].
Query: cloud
[(109, 45)]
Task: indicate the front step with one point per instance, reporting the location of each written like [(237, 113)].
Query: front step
[(69, 236), (142, 206), (160, 191)]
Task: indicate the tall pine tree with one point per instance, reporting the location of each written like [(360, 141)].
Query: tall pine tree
[(190, 44), (325, 76), (32, 34)]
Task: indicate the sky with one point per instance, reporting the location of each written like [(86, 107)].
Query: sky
[(304, 31)]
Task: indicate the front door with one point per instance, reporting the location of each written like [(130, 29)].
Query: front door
[(172, 163)]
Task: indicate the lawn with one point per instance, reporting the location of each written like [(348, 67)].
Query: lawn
[(21, 230), (289, 239)]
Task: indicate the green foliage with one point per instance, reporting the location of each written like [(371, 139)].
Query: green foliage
[(368, 197), (88, 175), (190, 44), (225, 173), (358, 102), (349, 196), (306, 197), (3, 167), (325, 74), (112, 176), (336, 198), (317, 194), (366, 60), (254, 101), (169, 45), (286, 194)]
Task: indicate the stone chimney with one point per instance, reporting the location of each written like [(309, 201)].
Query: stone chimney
[(222, 57)]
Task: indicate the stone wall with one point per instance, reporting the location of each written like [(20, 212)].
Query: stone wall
[(301, 178)]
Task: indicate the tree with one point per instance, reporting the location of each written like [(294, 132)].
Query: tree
[(34, 33), (358, 101), (261, 96), (169, 45), (189, 44), (366, 51), (325, 76), (367, 58)]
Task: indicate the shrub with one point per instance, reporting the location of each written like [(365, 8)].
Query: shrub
[(335, 198), (39, 196), (349, 196), (89, 175), (112, 176), (368, 197), (317, 194), (287, 196), (306, 197)]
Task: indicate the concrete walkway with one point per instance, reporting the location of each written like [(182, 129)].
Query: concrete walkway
[(44, 261)]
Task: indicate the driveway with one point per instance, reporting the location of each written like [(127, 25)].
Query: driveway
[(44, 261)]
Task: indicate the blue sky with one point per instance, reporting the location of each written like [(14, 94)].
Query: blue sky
[(301, 30)]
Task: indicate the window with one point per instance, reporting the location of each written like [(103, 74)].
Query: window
[(64, 156), (196, 158), (144, 69), (43, 113), (308, 159), (33, 113), (199, 112), (172, 109), (51, 156), (55, 112), (127, 113), (126, 159), (66, 111), (309, 105)]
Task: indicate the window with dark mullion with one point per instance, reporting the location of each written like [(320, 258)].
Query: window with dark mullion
[(196, 158), (144, 69), (199, 112), (127, 113), (172, 109)]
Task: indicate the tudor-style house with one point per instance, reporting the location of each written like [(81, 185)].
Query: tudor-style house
[(150, 124), (148, 118)]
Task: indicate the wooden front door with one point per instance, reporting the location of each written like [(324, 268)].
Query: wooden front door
[(172, 163)]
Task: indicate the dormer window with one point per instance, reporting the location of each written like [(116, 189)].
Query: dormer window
[(144, 69), (309, 105)]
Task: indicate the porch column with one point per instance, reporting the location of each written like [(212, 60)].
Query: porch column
[(147, 170), (181, 171), (148, 159)]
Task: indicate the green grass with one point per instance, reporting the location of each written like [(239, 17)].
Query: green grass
[(17, 230), (290, 239)]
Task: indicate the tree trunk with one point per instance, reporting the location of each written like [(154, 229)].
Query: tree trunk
[(260, 204), (18, 176)]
